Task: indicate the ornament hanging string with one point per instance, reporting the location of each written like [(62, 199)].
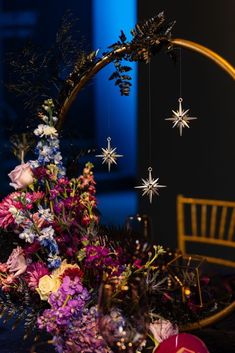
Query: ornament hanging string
[(150, 113), (109, 117), (180, 72)]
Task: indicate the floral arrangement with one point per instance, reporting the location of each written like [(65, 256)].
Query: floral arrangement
[(60, 272), (57, 258), (90, 288)]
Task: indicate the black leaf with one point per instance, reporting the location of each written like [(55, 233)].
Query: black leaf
[(118, 82), (125, 68), (126, 77), (122, 37), (115, 74)]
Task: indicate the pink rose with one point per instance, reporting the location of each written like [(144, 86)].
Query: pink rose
[(21, 176), (163, 329), (16, 262)]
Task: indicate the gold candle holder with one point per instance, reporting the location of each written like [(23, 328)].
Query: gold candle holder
[(184, 271)]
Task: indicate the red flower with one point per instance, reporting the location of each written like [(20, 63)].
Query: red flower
[(6, 217), (72, 273)]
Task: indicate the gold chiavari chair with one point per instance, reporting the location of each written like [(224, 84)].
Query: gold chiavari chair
[(209, 223)]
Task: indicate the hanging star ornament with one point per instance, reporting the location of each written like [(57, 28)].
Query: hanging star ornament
[(180, 118), (150, 186), (109, 154)]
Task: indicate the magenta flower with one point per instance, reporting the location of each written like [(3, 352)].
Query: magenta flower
[(6, 216), (40, 173), (16, 262), (34, 272), (35, 196), (32, 248)]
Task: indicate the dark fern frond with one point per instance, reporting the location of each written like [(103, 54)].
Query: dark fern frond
[(150, 37), (37, 74), (123, 37), (21, 307), (121, 80)]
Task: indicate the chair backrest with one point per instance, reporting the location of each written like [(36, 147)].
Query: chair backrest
[(210, 222)]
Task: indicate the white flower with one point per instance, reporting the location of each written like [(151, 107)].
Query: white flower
[(159, 249), (17, 214), (28, 235), (46, 130), (45, 118), (162, 329), (45, 213), (55, 143), (57, 158), (34, 164), (54, 259), (46, 233)]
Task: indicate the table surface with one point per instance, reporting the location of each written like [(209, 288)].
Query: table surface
[(219, 338)]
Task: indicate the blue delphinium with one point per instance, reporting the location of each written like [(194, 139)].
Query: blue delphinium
[(48, 148)]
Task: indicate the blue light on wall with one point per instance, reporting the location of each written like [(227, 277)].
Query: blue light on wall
[(109, 17), (116, 115)]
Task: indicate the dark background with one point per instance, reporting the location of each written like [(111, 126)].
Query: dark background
[(201, 162)]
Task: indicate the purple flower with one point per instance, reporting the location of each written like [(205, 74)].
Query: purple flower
[(82, 336), (73, 326), (101, 258)]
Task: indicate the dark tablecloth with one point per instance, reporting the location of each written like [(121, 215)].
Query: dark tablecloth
[(219, 338)]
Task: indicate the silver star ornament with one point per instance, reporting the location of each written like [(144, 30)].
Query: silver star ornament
[(150, 186), (109, 154), (180, 118)]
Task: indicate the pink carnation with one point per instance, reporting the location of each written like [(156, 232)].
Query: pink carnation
[(35, 196), (6, 217), (34, 272), (16, 262)]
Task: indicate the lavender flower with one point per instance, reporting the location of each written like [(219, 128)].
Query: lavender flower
[(73, 326)]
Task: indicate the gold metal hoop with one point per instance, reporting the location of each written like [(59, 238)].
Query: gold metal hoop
[(217, 59), (125, 49), (210, 319), (105, 60)]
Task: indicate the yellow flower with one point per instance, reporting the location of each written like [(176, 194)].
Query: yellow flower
[(64, 266), (50, 283), (47, 285)]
